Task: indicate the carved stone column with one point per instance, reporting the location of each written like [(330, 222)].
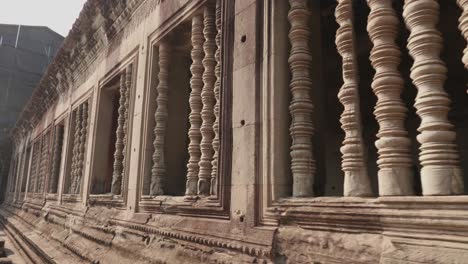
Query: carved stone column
[(57, 156), (464, 27), (217, 91), (128, 84), (119, 145), (196, 85), (440, 173), (76, 147), (395, 164), (82, 147), (356, 181), (208, 99), (158, 171), (301, 107)]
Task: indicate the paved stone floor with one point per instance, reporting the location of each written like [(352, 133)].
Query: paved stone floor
[(10, 250)]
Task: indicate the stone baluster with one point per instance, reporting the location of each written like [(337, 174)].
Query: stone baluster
[(208, 99), (196, 85), (217, 92), (464, 28), (82, 147), (57, 156), (301, 106), (395, 163), (39, 166), (128, 84), (440, 172), (356, 180), (118, 154), (76, 150), (158, 171)]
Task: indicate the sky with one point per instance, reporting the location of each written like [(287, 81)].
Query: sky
[(58, 15)]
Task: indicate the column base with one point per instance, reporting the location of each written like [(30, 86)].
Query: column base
[(356, 184), (396, 181), (441, 180)]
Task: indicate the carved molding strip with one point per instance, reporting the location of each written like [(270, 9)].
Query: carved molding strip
[(159, 167), (301, 106), (356, 180), (395, 163), (196, 85), (464, 28), (440, 173)]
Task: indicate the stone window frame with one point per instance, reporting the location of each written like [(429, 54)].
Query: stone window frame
[(348, 214), (117, 201), (203, 207), (66, 155), (61, 120)]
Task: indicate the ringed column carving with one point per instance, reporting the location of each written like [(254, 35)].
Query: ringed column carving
[(216, 109), (82, 148), (118, 154), (356, 181), (463, 25), (440, 172), (196, 85), (301, 106), (208, 99), (57, 156), (158, 171), (76, 150), (395, 163), (128, 84)]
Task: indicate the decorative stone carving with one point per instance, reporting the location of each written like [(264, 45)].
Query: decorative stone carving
[(159, 167), (217, 92), (440, 172), (196, 85), (208, 99), (128, 84), (356, 181), (118, 154), (57, 155), (82, 148), (301, 107), (464, 28), (395, 163), (76, 150)]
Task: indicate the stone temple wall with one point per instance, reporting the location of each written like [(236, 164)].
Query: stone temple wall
[(247, 131)]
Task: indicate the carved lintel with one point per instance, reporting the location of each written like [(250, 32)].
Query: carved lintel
[(216, 110), (196, 85), (395, 163), (463, 25), (440, 172), (159, 167), (301, 106), (118, 154)]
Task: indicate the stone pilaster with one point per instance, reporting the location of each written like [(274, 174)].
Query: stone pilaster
[(463, 25), (356, 180), (395, 164), (216, 109), (119, 145), (208, 99), (301, 106), (440, 173), (196, 85), (158, 171)]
